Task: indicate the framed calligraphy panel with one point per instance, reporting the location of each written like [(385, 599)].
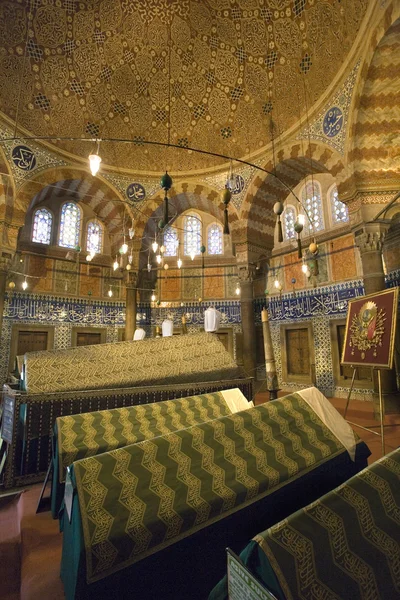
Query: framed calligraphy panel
[(370, 330)]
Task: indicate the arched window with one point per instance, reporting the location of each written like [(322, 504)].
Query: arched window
[(192, 235), (170, 241), (42, 222), (340, 213), (311, 199), (289, 218), (215, 239), (70, 225), (94, 237)]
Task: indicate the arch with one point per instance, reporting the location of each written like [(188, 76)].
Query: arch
[(192, 234), (94, 237), (76, 184), (296, 162), (378, 64), (215, 239), (69, 228), (42, 226), (338, 210)]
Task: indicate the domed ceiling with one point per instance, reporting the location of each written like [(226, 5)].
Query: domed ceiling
[(130, 69)]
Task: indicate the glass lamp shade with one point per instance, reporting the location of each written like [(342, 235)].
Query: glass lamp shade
[(24, 285), (237, 290), (153, 297), (304, 268), (124, 248), (115, 265), (148, 267), (154, 246), (158, 259), (179, 263), (94, 163), (192, 255), (110, 293)]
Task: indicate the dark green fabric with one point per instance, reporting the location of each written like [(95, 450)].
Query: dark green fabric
[(345, 545), (82, 435), (139, 499)]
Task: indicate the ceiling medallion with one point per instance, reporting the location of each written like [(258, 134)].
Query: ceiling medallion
[(23, 158), (333, 122), (135, 192)]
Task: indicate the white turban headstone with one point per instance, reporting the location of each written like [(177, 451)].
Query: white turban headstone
[(167, 328), (212, 319), (139, 334)]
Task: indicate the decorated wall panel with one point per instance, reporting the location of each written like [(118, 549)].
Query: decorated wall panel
[(213, 283), (171, 285), (343, 259)]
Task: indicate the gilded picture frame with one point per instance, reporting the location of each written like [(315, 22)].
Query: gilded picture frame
[(371, 329)]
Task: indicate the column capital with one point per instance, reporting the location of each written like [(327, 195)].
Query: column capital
[(370, 237), (130, 279), (246, 273), (5, 264)]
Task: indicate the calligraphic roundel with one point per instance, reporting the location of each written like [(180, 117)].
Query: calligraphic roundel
[(135, 192), (23, 158)]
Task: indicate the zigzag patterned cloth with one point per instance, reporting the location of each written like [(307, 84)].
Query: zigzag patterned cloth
[(178, 359), (344, 545), (139, 499), (84, 435)]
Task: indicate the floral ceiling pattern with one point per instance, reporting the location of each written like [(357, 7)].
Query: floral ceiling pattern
[(200, 73)]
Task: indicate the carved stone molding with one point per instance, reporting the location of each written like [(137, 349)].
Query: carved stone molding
[(246, 273), (370, 241)]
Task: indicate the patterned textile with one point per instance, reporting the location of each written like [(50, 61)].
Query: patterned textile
[(344, 545), (178, 359), (139, 499), (80, 436)]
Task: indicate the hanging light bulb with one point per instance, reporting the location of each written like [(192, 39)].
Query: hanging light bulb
[(128, 267), (192, 255), (110, 292), (24, 284), (237, 290), (159, 259), (124, 248), (131, 232), (153, 297), (166, 266), (130, 259), (115, 264), (149, 267), (95, 160), (162, 249), (277, 284), (154, 246), (179, 263), (304, 268), (301, 219), (89, 257)]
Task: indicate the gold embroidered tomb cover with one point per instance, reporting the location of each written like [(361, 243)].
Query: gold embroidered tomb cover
[(139, 499), (88, 434), (156, 361), (344, 545)]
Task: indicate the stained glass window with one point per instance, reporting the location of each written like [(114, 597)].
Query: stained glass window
[(192, 235), (215, 239), (42, 222), (289, 218), (70, 225), (311, 199), (94, 237), (340, 212), (170, 241)]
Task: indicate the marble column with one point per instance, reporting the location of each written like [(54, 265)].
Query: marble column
[(131, 306), (370, 243), (246, 274)]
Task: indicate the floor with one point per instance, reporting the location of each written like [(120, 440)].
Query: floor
[(38, 544)]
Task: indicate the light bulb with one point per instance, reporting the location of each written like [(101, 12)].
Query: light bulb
[(130, 259), (162, 249), (301, 219), (89, 257), (308, 272), (192, 255), (24, 285), (115, 265), (166, 266), (154, 246), (148, 267), (131, 232), (94, 163), (153, 297), (158, 258), (304, 268), (277, 284), (110, 292), (124, 248), (128, 267), (179, 263), (237, 291)]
